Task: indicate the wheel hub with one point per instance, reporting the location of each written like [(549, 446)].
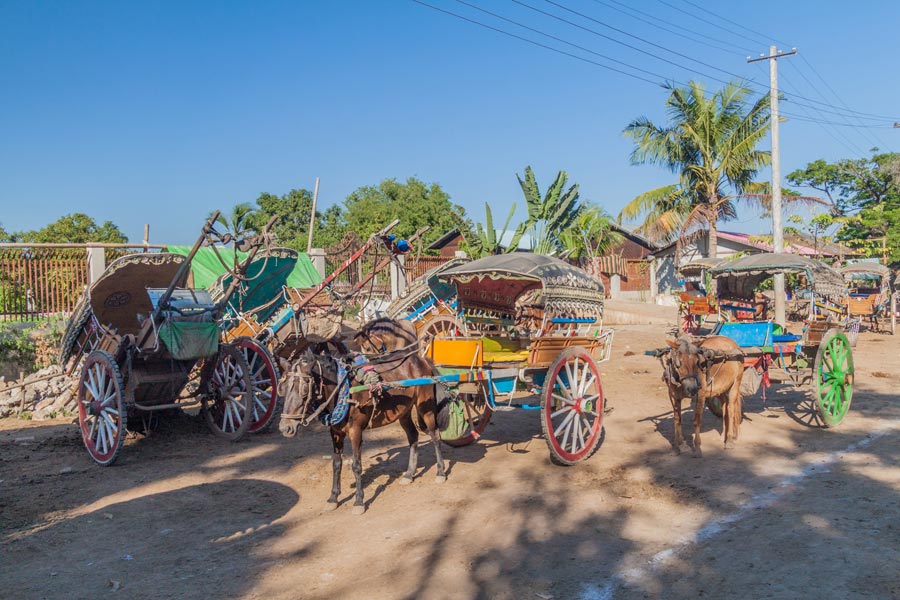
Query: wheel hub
[(578, 406), (95, 409)]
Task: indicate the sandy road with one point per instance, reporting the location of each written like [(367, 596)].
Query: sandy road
[(794, 511)]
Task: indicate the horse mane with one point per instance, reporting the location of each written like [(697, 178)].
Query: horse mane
[(390, 326)]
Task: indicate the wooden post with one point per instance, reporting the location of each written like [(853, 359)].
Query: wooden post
[(312, 217), (146, 236)]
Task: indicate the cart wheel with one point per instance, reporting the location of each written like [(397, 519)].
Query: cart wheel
[(469, 416), (264, 378), (833, 371), (572, 407), (227, 397), (440, 326), (101, 408)]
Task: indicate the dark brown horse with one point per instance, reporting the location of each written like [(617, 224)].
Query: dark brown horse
[(390, 352), (708, 371)]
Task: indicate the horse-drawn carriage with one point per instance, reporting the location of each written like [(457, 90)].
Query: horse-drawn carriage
[(144, 342), (526, 324), (870, 291), (694, 304), (429, 303), (822, 346)]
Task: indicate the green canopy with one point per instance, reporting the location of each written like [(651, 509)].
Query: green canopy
[(206, 267)]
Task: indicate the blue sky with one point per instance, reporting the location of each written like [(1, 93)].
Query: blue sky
[(158, 113)]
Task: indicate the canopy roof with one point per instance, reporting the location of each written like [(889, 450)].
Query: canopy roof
[(497, 282), (425, 286), (741, 276), (206, 266), (261, 290), (865, 268), (696, 267)]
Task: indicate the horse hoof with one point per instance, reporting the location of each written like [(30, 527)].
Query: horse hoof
[(698, 454), (359, 509), (405, 480), (440, 478), (729, 445), (329, 506)]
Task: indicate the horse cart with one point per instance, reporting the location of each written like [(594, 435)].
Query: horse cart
[(694, 306), (429, 303), (869, 285), (822, 349), (144, 342), (525, 324)]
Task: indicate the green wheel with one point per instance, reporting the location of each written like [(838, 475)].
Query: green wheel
[(833, 371)]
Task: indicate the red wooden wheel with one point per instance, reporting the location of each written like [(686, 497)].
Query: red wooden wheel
[(264, 382), (226, 395), (572, 407), (101, 409)]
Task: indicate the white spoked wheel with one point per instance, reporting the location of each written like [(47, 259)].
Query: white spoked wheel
[(101, 411), (572, 407), (441, 326), (264, 382), (227, 398)]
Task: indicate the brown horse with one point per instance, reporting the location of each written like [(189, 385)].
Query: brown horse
[(390, 352), (705, 372)]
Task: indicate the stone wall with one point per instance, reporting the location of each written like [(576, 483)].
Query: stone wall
[(45, 394)]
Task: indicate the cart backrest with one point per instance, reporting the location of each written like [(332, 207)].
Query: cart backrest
[(121, 292), (748, 335)]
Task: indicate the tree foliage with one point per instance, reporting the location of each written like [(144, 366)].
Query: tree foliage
[(551, 214), (710, 144), (590, 235), (76, 228), (480, 241), (866, 197), (293, 210), (417, 204)]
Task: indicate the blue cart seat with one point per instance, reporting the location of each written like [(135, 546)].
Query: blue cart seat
[(748, 335)]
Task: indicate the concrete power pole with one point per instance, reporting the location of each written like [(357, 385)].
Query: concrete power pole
[(777, 231)]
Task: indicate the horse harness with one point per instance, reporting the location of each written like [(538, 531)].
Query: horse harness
[(358, 367), (705, 363)]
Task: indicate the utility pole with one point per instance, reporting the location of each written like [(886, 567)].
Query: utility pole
[(777, 231), (312, 217)]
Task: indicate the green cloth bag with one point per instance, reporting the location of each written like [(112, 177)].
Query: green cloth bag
[(186, 340)]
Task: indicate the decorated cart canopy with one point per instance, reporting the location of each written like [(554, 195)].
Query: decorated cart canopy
[(499, 282), (866, 270), (120, 294), (260, 291), (742, 276), (695, 268), (425, 286), (206, 267)]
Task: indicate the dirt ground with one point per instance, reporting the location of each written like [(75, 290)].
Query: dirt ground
[(794, 511)]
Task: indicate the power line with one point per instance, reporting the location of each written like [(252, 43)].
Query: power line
[(839, 99), (553, 37), (534, 43), (730, 73), (681, 10), (836, 123), (631, 35), (622, 8), (727, 20), (845, 119)]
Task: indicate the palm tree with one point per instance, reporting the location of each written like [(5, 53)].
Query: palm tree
[(550, 215), (483, 241), (240, 220), (590, 235), (711, 145)]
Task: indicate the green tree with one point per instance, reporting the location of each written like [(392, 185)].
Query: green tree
[(866, 198), (293, 210), (240, 220), (551, 214), (415, 203), (76, 228), (480, 241), (590, 235), (711, 145), (4, 235), (330, 227)]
